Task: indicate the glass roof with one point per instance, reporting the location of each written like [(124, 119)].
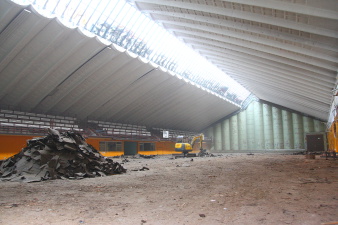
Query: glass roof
[(120, 23)]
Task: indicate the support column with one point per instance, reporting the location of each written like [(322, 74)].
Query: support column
[(218, 137), (234, 133), (308, 125), (287, 130), (298, 132), (210, 133), (226, 135), (277, 128), (242, 137), (250, 127), (268, 129), (319, 126), (259, 127)]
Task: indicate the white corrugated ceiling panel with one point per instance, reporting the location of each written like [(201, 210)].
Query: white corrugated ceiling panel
[(46, 67)]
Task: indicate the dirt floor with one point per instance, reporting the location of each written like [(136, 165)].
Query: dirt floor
[(227, 189)]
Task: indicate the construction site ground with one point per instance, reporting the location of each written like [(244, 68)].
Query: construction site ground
[(226, 189)]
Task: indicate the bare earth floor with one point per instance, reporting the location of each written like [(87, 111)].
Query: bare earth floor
[(228, 189)]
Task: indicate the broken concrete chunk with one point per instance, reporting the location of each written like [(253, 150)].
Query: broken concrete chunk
[(53, 132), (71, 147)]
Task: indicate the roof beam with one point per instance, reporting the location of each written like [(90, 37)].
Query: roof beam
[(273, 33), (244, 73), (274, 66), (85, 86), (278, 75), (246, 37), (293, 97), (129, 100), (290, 7), (246, 16), (198, 44), (288, 102), (110, 87), (328, 78), (255, 78), (265, 49), (64, 88), (275, 93)]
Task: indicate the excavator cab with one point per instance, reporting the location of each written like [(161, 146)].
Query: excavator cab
[(183, 146)]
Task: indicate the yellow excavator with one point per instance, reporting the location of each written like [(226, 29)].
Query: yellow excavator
[(186, 147)]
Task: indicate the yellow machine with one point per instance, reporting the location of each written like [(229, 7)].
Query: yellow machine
[(332, 139), (185, 147)]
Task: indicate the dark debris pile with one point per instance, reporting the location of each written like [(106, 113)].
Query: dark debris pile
[(57, 156)]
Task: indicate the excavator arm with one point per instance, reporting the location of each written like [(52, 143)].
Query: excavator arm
[(200, 137)]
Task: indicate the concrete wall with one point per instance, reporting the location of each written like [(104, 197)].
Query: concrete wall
[(263, 127)]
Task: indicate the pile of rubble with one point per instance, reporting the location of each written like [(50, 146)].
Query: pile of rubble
[(57, 156)]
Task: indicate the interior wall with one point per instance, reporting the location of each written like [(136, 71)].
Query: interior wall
[(263, 127), (12, 144)]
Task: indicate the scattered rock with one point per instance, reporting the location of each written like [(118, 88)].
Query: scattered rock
[(147, 156), (11, 206), (142, 169), (125, 160), (183, 165)]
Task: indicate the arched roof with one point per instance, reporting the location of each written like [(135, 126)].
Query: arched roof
[(48, 68)]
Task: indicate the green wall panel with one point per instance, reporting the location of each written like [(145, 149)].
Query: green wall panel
[(259, 127), (234, 133), (250, 118), (226, 135), (210, 133), (287, 130), (278, 134), (308, 125), (268, 128), (298, 131), (318, 126), (242, 129), (262, 126), (218, 137)]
